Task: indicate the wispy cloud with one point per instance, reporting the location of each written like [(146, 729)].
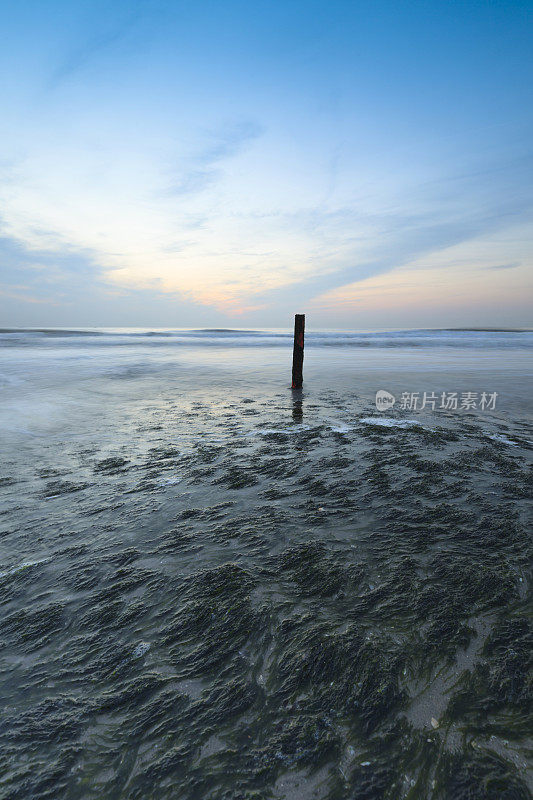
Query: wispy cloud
[(98, 38), (201, 170), (451, 212), (512, 265), (80, 57)]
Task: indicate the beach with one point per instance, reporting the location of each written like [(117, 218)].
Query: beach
[(215, 587)]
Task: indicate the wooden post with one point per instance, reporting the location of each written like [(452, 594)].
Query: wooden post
[(298, 351)]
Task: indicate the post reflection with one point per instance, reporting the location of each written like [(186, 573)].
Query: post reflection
[(297, 406)]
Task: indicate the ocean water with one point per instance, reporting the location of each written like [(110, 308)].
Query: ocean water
[(215, 587)]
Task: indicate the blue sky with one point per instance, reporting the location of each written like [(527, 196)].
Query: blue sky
[(176, 164)]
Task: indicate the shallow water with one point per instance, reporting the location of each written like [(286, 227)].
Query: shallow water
[(214, 587)]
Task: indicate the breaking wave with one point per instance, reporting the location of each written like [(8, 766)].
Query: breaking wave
[(227, 337)]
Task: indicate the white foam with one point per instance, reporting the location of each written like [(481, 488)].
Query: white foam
[(389, 422), (141, 649), (340, 428), (20, 567), (265, 431), (498, 437), (170, 481)]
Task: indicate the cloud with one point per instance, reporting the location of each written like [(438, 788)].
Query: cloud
[(456, 210), (512, 265), (234, 228), (199, 171), (79, 57), (63, 286), (98, 42), (34, 275)]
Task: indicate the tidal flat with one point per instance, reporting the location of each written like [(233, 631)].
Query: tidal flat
[(212, 588)]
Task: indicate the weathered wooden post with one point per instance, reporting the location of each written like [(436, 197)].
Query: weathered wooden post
[(298, 351)]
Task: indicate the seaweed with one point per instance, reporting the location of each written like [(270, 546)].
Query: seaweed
[(340, 615), (475, 775)]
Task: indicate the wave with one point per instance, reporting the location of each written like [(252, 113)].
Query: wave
[(227, 337)]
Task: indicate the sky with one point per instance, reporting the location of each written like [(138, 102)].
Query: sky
[(177, 164)]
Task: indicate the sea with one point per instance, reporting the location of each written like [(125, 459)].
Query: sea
[(214, 587)]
